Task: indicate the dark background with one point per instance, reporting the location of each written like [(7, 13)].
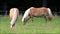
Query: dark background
[(25, 4)]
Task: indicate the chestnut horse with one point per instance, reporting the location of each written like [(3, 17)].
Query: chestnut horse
[(43, 11), (14, 13)]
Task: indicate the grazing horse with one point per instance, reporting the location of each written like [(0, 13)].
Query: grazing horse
[(14, 13), (43, 11)]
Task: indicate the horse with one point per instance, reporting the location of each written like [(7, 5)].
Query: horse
[(42, 11), (13, 15)]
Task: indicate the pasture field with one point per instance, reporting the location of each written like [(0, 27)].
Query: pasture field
[(39, 26)]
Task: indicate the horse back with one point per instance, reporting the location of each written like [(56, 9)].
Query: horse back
[(39, 11)]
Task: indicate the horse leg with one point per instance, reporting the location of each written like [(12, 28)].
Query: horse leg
[(45, 18), (31, 17), (48, 18)]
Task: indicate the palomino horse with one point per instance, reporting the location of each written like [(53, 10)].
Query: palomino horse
[(46, 12), (14, 13)]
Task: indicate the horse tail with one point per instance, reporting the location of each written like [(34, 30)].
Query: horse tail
[(50, 13), (14, 18)]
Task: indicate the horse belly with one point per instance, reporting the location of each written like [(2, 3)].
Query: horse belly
[(37, 14)]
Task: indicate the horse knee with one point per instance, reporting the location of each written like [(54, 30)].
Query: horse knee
[(49, 18)]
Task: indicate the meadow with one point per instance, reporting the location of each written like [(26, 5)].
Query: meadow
[(39, 26)]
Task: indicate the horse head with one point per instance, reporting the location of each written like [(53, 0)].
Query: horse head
[(24, 21), (26, 14)]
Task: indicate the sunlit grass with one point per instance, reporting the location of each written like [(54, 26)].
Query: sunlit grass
[(38, 26)]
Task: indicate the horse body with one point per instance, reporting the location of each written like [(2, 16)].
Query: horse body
[(43, 11), (38, 11), (14, 12), (46, 12)]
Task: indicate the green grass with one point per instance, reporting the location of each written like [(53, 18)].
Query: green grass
[(38, 26)]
